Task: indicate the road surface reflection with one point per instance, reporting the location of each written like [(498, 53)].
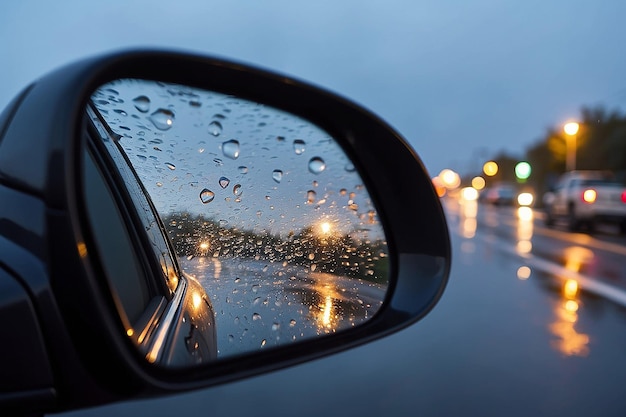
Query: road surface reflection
[(260, 304)]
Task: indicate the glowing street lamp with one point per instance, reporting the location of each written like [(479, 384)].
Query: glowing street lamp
[(571, 129), (490, 168)]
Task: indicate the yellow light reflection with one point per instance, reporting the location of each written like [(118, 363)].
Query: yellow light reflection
[(523, 272), (569, 341), (327, 311), (130, 332), (524, 230), (469, 228), (576, 257), (82, 249), (570, 289), (325, 227), (196, 300)]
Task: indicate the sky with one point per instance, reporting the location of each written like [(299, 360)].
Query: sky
[(461, 80)]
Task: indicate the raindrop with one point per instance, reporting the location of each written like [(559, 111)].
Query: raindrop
[(121, 112), (349, 167), (218, 162), (171, 166), (206, 196), (194, 103), (317, 165), (292, 323), (237, 280), (162, 119), (223, 223), (275, 326), (224, 182), (215, 128), (277, 175), (310, 196), (231, 149), (142, 103), (231, 338), (343, 191), (263, 342), (256, 316), (237, 190), (243, 169), (298, 146)]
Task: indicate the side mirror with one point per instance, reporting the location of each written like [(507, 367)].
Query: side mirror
[(170, 222)]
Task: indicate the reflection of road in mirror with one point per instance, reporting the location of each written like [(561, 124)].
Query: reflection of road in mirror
[(260, 304)]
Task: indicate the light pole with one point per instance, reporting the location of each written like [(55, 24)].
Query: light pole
[(570, 129)]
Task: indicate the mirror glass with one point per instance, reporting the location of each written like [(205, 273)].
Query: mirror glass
[(263, 208)]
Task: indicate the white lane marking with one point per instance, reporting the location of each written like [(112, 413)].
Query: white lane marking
[(593, 285), (586, 283), (581, 239)]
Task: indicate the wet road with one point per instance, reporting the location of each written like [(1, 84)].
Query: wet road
[(516, 333)]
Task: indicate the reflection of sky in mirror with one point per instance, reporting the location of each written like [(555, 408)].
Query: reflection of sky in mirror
[(240, 163)]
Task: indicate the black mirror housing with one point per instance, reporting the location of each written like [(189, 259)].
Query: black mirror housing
[(47, 257)]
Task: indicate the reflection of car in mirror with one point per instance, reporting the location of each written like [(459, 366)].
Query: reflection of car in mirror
[(171, 222)]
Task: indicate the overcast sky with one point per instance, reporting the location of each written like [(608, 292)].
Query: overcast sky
[(461, 80)]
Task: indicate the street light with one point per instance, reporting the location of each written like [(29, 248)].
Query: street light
[(570, 129)]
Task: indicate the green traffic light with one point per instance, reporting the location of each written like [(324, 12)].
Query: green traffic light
[(522, 170)]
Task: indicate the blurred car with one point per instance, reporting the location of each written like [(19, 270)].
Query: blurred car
[(501, 195), (586, 198)]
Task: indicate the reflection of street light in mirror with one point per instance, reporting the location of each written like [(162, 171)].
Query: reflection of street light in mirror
[(571, 129)]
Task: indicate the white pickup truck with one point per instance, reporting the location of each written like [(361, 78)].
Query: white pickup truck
[(585, 198)]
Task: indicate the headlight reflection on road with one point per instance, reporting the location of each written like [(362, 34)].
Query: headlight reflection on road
[(524, 230), (469, 211)]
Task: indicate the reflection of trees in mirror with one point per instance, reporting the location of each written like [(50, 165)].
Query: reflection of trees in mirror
[(344, 255)]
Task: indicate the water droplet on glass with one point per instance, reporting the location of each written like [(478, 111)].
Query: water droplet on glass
[(120, 112), (142, 103), (194, 103), (243, 170), (218, 162), (298, 146), (343, 191), (256, 316), (317, 165), (349, 167), (162, 119), (224, 182), (292, 323), (310, 196), (237, 190), (231, 338), (275, 326), (277, 175), (231, 149), (223, 223), (171, 166), (215, 128), (263, 342), (206, 196)]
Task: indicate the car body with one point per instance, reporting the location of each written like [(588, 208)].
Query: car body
[(587, 198), (501, 194)]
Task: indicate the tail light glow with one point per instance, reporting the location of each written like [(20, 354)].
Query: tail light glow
[(589, 196)]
